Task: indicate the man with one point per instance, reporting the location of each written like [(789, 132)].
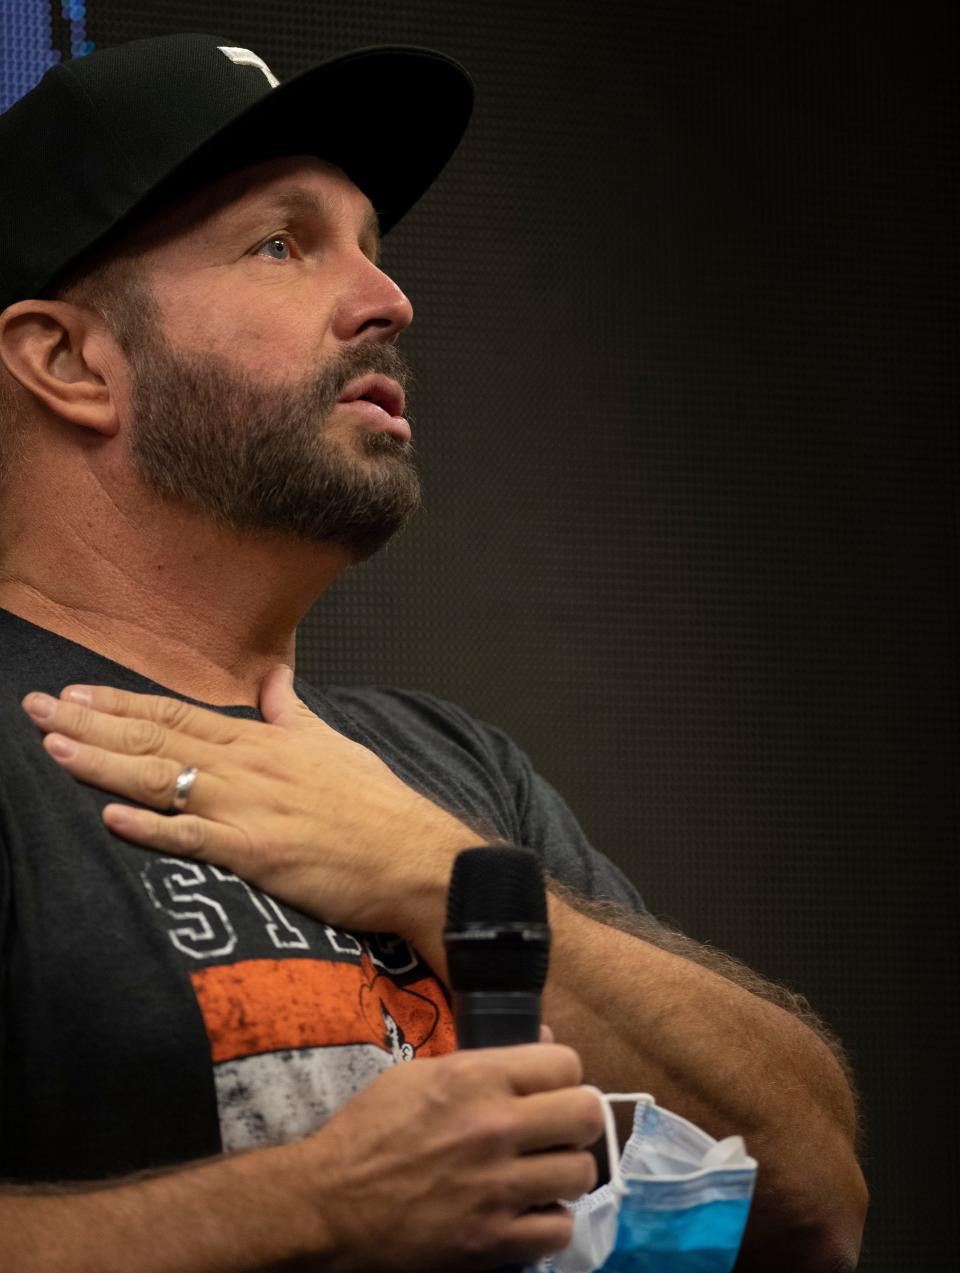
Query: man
[(202, 427)]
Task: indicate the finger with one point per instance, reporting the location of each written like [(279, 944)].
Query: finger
[(130, 735), (185, 835), (280, 703), (542, 1179), (573, 1116), (546, 1034), (535, 1067), (171, 713), (149, 780), (536, 1234)]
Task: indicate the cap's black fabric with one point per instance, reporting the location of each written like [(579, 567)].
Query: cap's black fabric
[(106, 135)]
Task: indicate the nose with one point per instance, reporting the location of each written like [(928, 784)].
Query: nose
[(373, 306)]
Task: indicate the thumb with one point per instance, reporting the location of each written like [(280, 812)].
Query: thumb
[(279, 702)]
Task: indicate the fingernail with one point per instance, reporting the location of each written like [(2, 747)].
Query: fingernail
[(77, 694), (42, 706), (61, 747)]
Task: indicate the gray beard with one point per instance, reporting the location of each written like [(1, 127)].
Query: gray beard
[(256, 458)]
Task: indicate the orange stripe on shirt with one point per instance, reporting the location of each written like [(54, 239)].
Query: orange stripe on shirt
[(269, 1005)]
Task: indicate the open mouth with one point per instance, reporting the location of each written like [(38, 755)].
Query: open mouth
[(378, 389)]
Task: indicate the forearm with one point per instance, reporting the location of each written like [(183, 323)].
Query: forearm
[(643, 1018), (246, 1213)]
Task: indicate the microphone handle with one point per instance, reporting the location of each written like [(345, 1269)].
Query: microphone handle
[(496, 1018)]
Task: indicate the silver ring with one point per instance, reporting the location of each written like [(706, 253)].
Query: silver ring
[(184, 785)]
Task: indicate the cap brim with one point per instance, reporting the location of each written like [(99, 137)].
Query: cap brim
[(390, 117)]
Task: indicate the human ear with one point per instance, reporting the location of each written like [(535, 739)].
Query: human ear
[(59, 353)]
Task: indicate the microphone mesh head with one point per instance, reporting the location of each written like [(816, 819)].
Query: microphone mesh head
[(496, 885), (500, 889)]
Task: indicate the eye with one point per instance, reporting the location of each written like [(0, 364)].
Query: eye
[(277, 248)]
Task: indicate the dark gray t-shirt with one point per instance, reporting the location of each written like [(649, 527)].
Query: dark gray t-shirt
[(155, 1010)]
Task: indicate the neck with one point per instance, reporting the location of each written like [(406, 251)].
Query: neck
[(200, 610)]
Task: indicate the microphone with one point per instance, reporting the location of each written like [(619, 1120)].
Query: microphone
[(497, 941)]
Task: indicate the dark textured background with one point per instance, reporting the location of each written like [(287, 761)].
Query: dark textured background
[(685, 302)]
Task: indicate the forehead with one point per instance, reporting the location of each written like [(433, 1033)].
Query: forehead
[(299, 185)]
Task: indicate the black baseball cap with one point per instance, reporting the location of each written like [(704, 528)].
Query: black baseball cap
[(110, 135)]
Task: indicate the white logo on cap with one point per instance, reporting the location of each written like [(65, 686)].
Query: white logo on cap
[(244, 57)]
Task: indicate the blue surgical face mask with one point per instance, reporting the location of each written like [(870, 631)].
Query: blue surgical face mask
[(677, 1200)]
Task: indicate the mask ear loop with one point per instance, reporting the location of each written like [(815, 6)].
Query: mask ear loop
[(613, 1144)]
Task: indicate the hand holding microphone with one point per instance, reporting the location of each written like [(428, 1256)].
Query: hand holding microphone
[(458, 1161), (497, 941)]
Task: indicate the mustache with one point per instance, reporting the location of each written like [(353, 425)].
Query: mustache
[(363, 360), (317, 391)]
